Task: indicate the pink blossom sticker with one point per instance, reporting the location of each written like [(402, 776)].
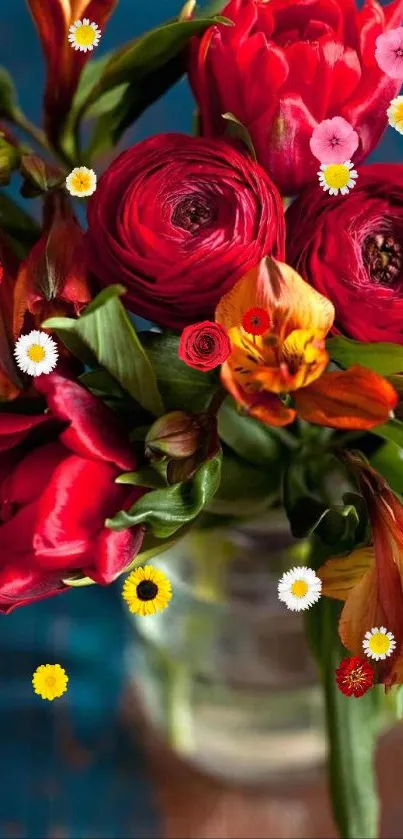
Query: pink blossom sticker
[(334, 140), (389, 52)]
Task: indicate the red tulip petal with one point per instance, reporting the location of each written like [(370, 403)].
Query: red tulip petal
[(114, 552), (72, 510), (94, 430), (14, 427), (21, 583), (30, 477)]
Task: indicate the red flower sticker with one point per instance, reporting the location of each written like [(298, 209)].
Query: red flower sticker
[(204, 345), (354, 676), (256, 321)]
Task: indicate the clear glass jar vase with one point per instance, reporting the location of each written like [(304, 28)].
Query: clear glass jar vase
[(224, 674)]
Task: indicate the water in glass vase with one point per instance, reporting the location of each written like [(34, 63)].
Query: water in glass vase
[(224, 673)]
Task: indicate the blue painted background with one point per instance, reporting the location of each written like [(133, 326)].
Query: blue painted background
[(68, 769)]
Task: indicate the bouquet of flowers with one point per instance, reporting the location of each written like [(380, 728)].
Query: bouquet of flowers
[(266, 258)]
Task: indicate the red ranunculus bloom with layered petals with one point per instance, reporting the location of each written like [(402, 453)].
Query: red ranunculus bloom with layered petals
[(178, 220), (350, 248), (57, 487), (289, 64)]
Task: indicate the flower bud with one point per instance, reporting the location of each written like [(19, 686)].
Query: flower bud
[(184, 441)]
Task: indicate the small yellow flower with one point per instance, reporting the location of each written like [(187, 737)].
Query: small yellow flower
[(147, 591), (84, 35), (395, 114), (50, 681), (379, 643), (81, 182), (337, 177)]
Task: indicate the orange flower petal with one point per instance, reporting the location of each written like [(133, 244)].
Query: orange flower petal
[(53, 276), (265, 407), (341, 574), (354, 398), (361, 612), (277, 288)]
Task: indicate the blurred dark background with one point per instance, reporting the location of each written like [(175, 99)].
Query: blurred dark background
[(68, 769)]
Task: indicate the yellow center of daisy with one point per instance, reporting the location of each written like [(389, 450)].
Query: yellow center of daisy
[(81, 182), (336, 175), (397, 112), (36, 353), (379, 643), (299, 588), (85, 35)]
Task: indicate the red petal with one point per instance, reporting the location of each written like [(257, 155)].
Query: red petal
[(21, 583), (94, 430), (72, 510), (115, 551), (14, 427)]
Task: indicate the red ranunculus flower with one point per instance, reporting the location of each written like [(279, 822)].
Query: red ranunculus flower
[(204, 345), (57, 487), (178, 220), (350, 248), (289, 64), (354, 676)]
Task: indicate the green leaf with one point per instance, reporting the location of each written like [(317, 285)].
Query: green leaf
[(248, 438), (352, 726), (245, 490), (399, 702), (150, 52), (144, 477), (385, 359), (40, 175), (237, 130), (165, 511), (104, 329), (318, 498), (8, 95), (143, 70), (388, 460), (21, 230), (393, 430), (181, 386)]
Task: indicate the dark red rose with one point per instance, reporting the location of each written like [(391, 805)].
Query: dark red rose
[(57, 487), (204, 345), (351, 249), (287, 65), (178, 220)]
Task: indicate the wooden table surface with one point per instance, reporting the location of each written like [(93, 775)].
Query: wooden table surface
[(196, 807)]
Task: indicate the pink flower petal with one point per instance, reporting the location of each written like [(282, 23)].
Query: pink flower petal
[(389, 52), (334, 141)]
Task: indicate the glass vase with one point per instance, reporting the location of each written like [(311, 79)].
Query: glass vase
[(224, 673)]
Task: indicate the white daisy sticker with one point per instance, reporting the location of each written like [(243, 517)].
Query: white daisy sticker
[(81, 182), (299, 588), (84, 35), (36, 353), (378, 643), (337, 177)]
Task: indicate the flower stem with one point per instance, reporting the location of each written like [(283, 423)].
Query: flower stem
[(32, 130)]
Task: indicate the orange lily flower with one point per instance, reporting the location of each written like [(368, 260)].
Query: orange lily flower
[(10, 384), (281, 373), (64, 65), (370, 579), (52, 280)]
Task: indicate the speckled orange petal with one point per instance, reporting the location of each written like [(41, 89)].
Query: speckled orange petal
[(341, 574), (265, 407), (354, 398), (277, 288)]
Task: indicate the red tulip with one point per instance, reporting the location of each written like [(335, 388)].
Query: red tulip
[(284, 67)]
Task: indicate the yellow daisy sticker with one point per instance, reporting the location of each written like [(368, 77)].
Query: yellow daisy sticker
[(50, 681)]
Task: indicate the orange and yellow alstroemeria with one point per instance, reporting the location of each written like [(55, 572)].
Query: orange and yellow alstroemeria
[(282, 372), (370, 579)]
